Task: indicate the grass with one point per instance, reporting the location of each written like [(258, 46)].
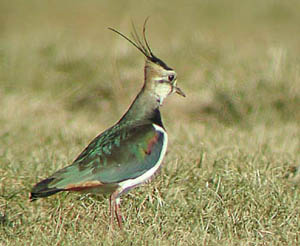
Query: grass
[(230, 174)]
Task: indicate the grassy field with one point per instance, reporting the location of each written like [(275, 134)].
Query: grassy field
[(229, 177)]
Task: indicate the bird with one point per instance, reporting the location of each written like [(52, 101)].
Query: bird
[(130, 152)]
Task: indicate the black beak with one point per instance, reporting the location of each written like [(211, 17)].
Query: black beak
[(179, 91)]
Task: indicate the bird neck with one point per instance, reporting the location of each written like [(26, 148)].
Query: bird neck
[(144, 109)]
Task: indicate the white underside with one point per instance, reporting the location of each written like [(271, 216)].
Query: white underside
[(141, 179)]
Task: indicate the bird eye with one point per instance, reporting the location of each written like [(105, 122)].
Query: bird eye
[(171, 77)]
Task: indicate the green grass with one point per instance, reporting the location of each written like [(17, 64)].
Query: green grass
[(228, 177)]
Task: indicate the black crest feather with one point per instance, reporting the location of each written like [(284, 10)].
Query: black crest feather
[(142, 45)]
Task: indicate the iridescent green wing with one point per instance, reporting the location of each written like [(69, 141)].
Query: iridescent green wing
[(112, 157)]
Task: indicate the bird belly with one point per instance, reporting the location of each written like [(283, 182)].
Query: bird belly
[(131, 183)]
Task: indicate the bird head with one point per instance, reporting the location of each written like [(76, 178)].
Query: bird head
[(160, 79)]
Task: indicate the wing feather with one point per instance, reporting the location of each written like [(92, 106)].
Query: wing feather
[(109, 159)]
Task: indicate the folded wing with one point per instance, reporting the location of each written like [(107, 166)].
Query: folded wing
[(122, 155)]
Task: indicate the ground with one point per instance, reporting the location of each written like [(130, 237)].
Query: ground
[(230, 174)]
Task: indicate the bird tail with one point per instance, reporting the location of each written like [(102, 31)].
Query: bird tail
[(42, 189)]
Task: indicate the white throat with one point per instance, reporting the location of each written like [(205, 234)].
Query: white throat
[(162, 91)]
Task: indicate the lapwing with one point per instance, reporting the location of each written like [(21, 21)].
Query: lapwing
[(130, 152)]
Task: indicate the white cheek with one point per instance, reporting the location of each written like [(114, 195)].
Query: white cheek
[(162, 91)]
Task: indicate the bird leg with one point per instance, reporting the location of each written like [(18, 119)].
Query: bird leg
[(118, 213), (111, 207), (114, 206)]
